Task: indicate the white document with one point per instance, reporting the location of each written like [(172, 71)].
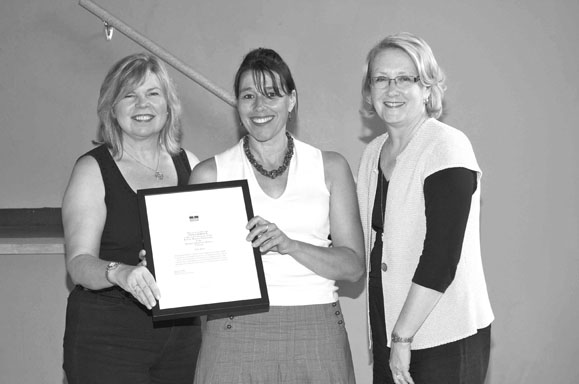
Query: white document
[(199, 250)]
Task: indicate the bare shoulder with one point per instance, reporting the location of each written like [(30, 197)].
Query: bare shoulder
[(204, 172), (85, 187), (336, 169), (335, 162), (193, 160), (86, 170)]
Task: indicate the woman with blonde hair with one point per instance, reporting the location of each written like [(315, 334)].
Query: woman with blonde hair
[(419, 187), (110, 336)]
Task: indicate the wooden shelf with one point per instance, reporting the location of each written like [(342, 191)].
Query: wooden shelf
[(31, 231), (32, 246)]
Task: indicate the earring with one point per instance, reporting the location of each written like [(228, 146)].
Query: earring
[(289, 116)]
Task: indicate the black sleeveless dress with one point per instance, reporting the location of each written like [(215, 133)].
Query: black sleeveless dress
[(109, 336)]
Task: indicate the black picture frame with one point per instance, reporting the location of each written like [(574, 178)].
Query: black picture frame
[(219, 288)]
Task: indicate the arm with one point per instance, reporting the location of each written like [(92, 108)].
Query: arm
[(82, 231), (204, 172), (344, 260), (83, 216), (418, 305), (448, 195), (193, 160)]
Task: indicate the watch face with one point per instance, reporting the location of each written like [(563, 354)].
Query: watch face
[(112, 265)]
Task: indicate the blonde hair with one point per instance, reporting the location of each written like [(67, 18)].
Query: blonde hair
[(431, 75), (124, 76)]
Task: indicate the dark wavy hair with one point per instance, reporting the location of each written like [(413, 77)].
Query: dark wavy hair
[(265, 63)]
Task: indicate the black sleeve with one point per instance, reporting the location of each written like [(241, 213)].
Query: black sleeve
[(447, 196)]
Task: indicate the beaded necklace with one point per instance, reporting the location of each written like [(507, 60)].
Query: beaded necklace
[(276, 172)]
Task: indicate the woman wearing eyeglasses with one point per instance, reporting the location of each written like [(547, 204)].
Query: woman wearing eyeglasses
[(419, 194)]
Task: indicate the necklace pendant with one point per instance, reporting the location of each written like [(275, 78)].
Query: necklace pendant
[(159, 175)]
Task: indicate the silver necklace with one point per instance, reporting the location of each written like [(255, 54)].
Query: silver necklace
[(158, 174)]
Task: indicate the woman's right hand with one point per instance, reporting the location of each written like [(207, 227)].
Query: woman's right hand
[(138, 281)]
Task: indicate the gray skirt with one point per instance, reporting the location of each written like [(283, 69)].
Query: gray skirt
[(289, 345)]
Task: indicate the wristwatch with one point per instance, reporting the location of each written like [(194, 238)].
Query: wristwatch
[(111, 267)]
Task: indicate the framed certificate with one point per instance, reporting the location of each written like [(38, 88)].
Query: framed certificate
[(196, 249)]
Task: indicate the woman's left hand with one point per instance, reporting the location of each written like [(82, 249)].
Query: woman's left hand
[(400, 363), (268, 237)]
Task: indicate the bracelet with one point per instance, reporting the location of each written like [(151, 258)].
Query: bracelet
[(398, 339)]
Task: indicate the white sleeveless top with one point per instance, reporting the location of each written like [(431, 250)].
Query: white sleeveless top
[(302, 212)]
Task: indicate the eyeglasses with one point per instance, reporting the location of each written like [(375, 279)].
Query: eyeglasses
[(402, 82)]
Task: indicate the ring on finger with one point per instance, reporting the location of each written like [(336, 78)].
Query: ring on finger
[(266, 227)]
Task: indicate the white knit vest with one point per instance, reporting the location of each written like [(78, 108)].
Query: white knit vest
[(465, 306)]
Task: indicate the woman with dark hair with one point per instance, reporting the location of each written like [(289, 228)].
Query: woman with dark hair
[(419, 194), (307, 227), (110, 336)]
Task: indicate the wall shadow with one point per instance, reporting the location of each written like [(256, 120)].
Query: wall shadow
[(372, 127)]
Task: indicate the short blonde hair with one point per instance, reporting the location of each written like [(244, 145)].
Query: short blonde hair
[(431, 75), (124, 76)]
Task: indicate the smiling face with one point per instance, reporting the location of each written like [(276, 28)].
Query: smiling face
[(142, 112), (395, 106), (263, 115)]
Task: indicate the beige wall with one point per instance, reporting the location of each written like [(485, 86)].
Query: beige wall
[(33, 291), (513, 89)]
